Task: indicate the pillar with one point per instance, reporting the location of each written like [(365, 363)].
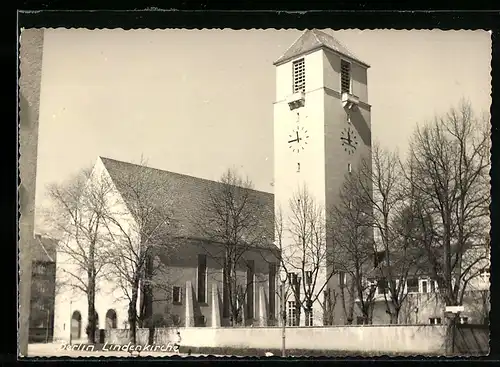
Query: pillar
[(215, 306), (189, 305), (262, 307)]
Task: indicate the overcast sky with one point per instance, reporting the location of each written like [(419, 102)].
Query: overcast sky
[(200, 101)]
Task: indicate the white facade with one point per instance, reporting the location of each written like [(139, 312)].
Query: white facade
[(109, 296)]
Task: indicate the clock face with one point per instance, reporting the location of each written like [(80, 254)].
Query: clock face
[(349, 140), (297, 139)]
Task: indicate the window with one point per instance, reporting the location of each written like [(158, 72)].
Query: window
[(292, 314), (38, 269), (349, 167), (202, 278), (424, 286), (345, 76), (381, 286), (341, 278), (176, 295), (299, 76), (412, 285), (310, 317), (435, 320), (250, 289), (432, 284), (272, 289)]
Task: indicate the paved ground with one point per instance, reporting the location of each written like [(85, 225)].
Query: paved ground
[(56, 350)]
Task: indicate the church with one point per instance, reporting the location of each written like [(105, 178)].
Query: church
[(321, 131)]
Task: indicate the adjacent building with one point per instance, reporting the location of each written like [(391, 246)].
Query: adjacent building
[(422, 303), (30, 67), (43, 288)]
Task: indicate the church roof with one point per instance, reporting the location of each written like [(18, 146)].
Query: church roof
[(187, 194), (313, 39)]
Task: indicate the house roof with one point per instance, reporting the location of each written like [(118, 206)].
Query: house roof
[(187, 192), (44, 248), (313, 39)]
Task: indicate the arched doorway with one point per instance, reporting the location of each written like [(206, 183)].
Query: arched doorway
[(111, 319), (76, 325)]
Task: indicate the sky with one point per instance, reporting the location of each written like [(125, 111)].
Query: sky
[(200, 101)]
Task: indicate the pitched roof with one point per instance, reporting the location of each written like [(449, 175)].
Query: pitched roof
[(313, 39), (44, 249), (188, 194)]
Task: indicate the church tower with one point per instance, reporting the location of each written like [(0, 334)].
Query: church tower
[(321, 131)]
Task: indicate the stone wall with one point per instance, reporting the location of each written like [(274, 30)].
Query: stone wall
[(397, 339)]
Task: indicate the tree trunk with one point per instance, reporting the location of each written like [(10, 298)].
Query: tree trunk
[(394, 317), (91, 314), (91, 327), (132, 315)]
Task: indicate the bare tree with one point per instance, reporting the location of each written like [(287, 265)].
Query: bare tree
[(77, 217), (328, 305), (301, 238), (230, 218), (140, 233), (381, 183), (350, 228), (448, 168)]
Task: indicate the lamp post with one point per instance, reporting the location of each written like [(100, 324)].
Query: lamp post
[(283, 297)]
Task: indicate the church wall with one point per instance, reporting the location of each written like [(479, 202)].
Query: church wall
[(182, 267)]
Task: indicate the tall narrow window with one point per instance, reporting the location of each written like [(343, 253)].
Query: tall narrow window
[(345, 76), (272, 290), (202, 278), (424, 286), (341, 278), (299, 76), (292, 313), (176, 295), (432, 286), (250, 289)]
